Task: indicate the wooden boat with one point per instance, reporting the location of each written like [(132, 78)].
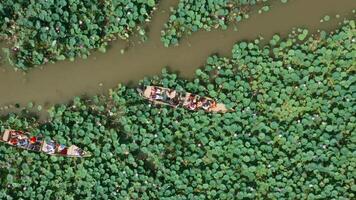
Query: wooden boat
[(23, 140), (166, 96)]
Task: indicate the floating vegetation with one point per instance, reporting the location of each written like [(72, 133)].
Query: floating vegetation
[(290, 136), (47, 31), (194, 15), (327, 18)]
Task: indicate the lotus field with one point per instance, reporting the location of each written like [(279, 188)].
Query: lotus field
[(291, 134), (193, 15), (40, 32)]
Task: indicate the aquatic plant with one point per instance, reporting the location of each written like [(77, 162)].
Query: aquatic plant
[(193, 15), (47, 31), (291, 135)]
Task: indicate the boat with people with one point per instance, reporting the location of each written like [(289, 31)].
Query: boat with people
[(24, 140), (173, 98)]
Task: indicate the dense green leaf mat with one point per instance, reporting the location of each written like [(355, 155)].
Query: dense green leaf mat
[(50, 30), (292, 135), (193, 15)]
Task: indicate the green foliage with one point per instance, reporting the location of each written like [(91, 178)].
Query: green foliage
[(291, 136), (51, 30), (194, 15)]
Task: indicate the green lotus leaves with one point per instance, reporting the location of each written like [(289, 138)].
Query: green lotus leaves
[(194, 15), (303, 34), (151, 3), (291, 134), (49, 31)]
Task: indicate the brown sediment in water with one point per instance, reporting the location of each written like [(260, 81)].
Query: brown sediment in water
[(58, 83)]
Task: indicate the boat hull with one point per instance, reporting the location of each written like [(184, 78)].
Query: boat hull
[(23, 140), (166, 96)]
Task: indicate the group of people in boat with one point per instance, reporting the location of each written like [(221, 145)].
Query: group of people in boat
[(37, 143), (23, 140), (194, 102), (173, 98), (166, 96)]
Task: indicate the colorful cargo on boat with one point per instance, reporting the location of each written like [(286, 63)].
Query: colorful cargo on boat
[(23, 140), (166, 96)]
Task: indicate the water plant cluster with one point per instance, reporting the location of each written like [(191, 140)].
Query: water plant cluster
[(47, 31), (291, 136), (193, 15)]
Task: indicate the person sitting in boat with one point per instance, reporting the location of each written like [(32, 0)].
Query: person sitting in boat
[(75, 151), (165, 96), (79, 152), (62, 149), (158, 97), (170, 97), (191, 98), (212, 104), (35, 143), (13, 141), (156, 93), (171, 93), (23, 141), (191, 102), (33, 140), (174, 101), (192, 106), (153, 91), (14, 134), (49, 147), (158, 90), (205, 104), (14, 137)]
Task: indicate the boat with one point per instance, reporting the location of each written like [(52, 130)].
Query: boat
[(170, 97), (23, 140)]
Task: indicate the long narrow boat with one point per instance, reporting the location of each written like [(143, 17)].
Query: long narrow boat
[(166, 96), (23, 140)]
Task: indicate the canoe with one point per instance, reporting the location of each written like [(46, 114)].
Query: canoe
[(23, 140), (170, 97)]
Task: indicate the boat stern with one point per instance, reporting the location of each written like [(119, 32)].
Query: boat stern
[(74, 151), (147, 92), (221, 108), (5, 136)]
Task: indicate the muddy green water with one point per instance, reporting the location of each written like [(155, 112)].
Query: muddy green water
[(57, 83)]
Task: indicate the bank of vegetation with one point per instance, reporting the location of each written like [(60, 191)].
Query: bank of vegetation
[(193, 15), (40, 32), (291, 136)]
